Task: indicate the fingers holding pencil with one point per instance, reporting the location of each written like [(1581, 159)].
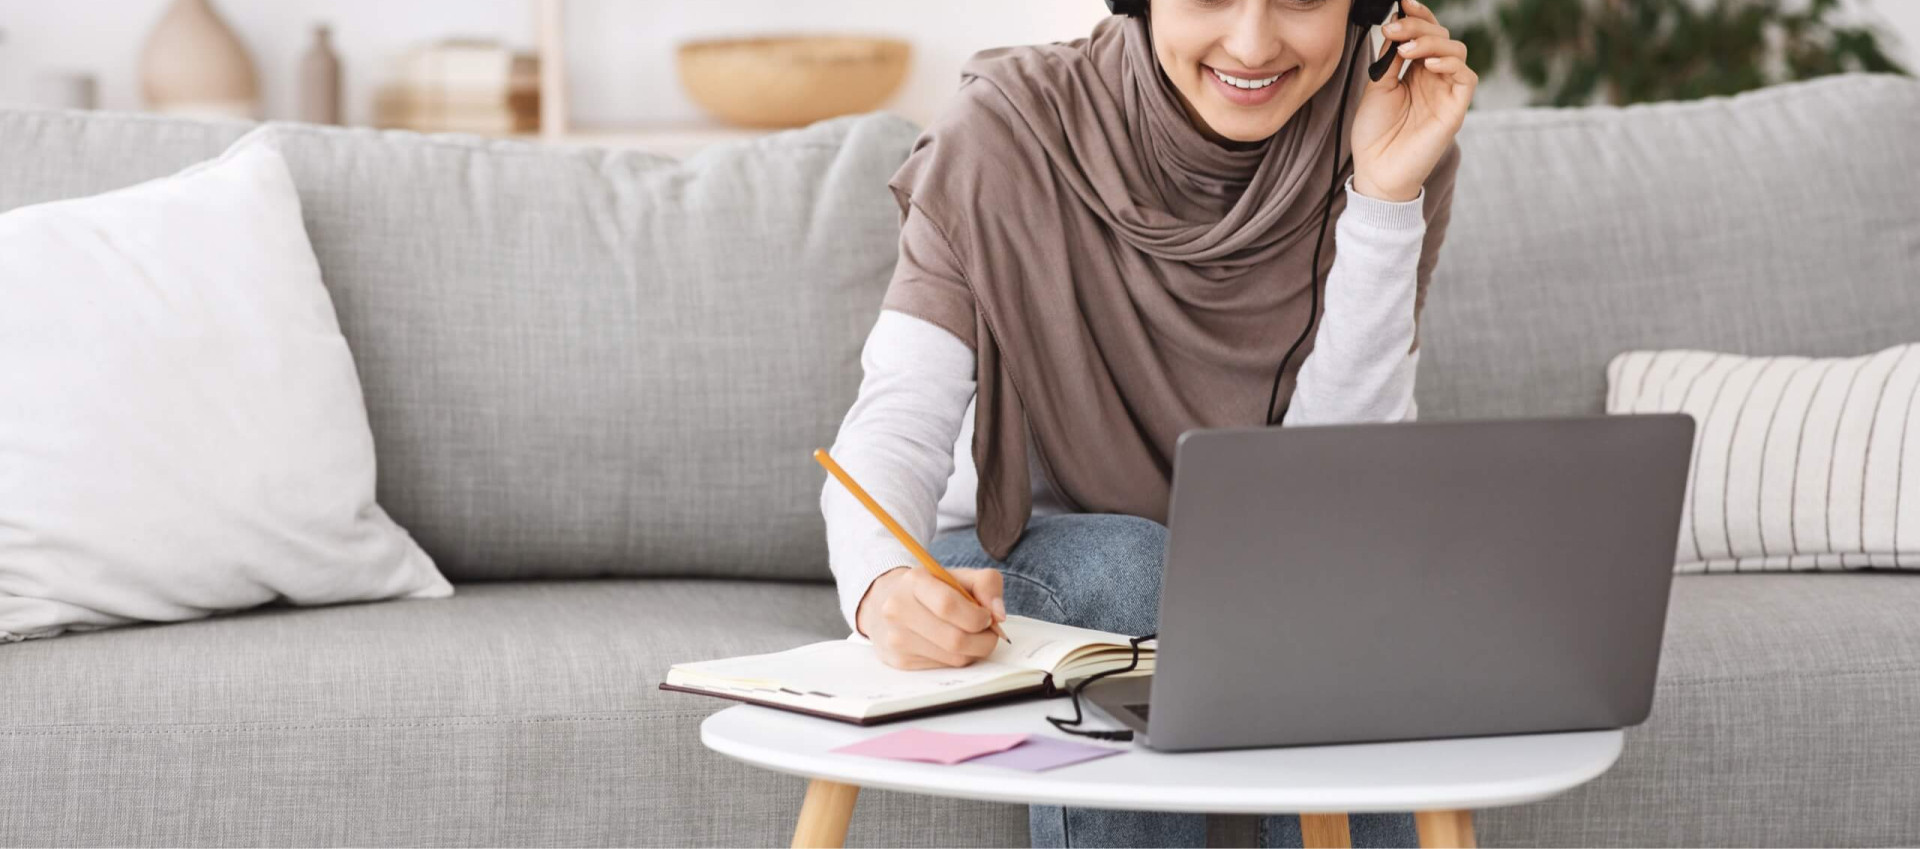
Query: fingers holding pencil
[(986, 587), (978, 607), (917, 622), (975, 599)]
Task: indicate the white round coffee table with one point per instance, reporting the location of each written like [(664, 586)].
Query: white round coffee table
[(1441, 781)]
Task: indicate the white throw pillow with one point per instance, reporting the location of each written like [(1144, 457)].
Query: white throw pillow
[(1798, 463), (181, 427)]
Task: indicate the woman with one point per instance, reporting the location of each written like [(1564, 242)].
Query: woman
[(1107, 242)]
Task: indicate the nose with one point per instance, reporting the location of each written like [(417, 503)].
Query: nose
[(1254, 40)]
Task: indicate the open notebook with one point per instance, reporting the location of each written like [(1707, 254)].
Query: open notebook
[(846, 680)]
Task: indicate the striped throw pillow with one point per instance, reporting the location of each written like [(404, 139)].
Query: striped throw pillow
[(1798, 463)]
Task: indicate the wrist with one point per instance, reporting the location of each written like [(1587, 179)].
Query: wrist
[(876, 593), (1370, 189)]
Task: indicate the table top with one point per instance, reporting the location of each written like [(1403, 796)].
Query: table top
[(1461, 773)]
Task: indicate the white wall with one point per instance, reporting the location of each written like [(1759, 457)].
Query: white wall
[(621, 50), (1903, 18)]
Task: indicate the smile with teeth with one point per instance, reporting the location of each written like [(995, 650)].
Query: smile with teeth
[(1238, 82)]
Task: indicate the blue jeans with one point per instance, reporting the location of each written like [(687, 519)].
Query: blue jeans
[(1103, 571)]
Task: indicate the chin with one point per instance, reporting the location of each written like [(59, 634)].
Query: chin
[(1250, 132), (1235, 125)]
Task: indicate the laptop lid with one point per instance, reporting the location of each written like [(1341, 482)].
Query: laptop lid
[(1368, 582)]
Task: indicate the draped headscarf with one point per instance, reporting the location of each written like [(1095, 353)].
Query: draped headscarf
[(1122, 278)]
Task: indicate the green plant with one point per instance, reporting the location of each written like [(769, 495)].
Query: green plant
[(1632, 51)]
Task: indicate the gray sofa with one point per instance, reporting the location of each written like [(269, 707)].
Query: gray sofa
[(593, 378)]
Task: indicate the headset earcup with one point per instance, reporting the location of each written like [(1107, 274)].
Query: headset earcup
[(1369, 13), (1131, 8)]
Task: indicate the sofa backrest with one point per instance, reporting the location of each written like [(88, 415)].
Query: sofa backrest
[(1780, 221), (581, 363), (576, 362)]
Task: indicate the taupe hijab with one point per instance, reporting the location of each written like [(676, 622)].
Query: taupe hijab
[(1121, 277)]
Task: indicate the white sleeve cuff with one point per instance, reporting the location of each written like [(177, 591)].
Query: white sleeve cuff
[(1385, 214)]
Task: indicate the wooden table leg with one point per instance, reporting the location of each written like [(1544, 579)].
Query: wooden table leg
[(1232, 831), (1453, 829), (1324, 831), (825, 814)]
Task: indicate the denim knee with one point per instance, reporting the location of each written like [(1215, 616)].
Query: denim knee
[(1105, 568)]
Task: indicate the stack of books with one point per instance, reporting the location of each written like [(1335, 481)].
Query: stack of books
[(465, 86)]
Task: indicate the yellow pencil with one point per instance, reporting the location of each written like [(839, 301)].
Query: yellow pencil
[(899, 533)]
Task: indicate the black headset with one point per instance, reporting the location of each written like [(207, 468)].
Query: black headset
[(1364, 14)]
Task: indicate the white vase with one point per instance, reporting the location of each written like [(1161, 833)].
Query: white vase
[(194, 64)]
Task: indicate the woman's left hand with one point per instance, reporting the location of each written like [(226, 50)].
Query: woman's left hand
[(1403, 126)]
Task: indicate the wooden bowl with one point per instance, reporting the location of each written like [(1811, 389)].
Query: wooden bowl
[(791, 81)]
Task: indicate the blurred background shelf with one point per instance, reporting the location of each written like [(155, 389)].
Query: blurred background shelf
[(604, 72), (614, 79), (752, 85)]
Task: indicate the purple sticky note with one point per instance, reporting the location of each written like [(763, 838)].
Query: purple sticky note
[(1043, 753), (917, 744)]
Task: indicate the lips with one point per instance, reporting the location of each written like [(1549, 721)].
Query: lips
[(1244, 96)]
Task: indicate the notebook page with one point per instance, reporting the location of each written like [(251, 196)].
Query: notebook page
[(841, 669), (1045, 645)]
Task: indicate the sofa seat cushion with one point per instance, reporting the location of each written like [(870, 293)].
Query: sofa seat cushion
[(495, 651), (529, 714), (1785, 716), (512, 714)]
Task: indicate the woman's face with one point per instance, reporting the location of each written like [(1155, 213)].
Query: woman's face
[(1274, 54)]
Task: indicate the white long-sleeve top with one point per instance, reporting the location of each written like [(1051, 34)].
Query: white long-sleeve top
[(908, 437)]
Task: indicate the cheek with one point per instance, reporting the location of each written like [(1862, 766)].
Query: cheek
[(1179, 64), (1326, 65), (1180, 47), (1330, 49)]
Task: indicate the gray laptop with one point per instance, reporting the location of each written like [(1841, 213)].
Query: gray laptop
[(1371, 582)]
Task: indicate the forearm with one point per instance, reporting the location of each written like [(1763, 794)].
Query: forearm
[(1362, 368), (897, 442)]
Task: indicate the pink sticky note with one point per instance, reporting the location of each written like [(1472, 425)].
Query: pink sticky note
[(916, 744), (1044, 753)]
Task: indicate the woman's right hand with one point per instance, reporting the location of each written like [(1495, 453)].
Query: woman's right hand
[(918, 622)]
